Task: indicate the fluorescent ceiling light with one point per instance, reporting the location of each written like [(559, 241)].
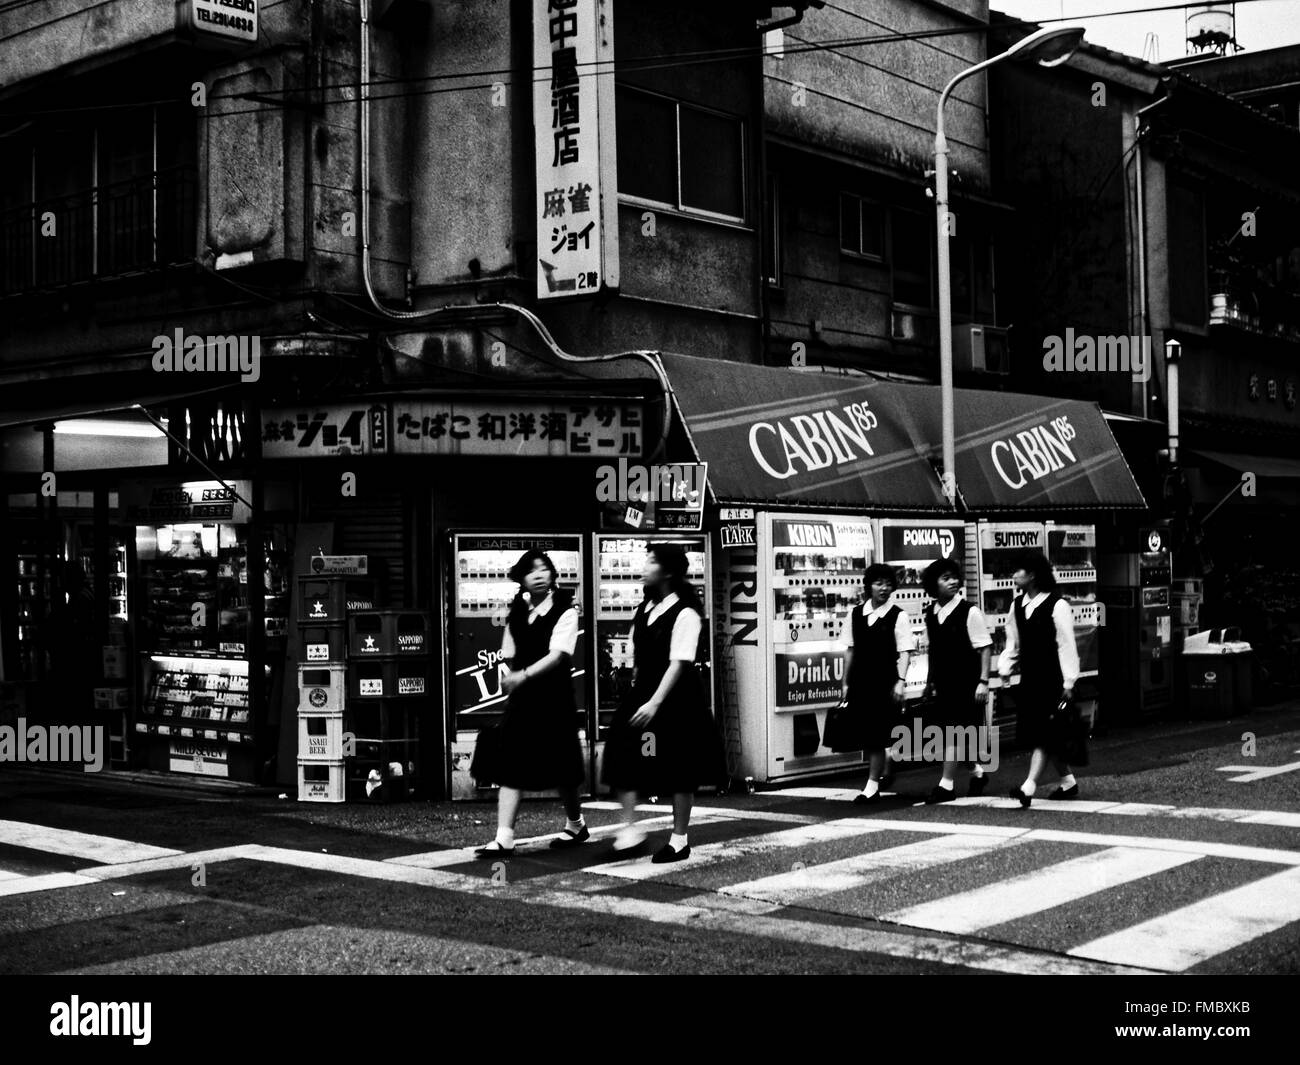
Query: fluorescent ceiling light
[(107, 427)]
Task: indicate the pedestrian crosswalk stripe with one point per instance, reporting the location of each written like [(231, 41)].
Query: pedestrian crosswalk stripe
[(93, 848), (1184, 937), (6, 875), (747, 847), (25, 885), (1043, 889), (827, 878)]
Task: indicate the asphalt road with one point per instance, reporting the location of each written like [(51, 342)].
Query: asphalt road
[(1166, 864)]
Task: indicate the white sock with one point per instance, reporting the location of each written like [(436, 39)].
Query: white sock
[(575, 826), (506, 837), (1067, 781), (978, 771), (1028, 788), (872, 787), (678, 843), (629, 836), (946, 784)]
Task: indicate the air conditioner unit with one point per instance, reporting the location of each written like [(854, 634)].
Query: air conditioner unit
[(981, 349)]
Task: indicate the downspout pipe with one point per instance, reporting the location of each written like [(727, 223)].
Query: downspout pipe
[(650, 358)]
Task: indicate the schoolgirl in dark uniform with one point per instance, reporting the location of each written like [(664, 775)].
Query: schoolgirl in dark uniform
[(958, 680), (1040, 639), (538, 748), (878, 645), (663, 740)]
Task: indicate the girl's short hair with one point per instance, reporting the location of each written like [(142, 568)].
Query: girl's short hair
[(675, 564), (1036, 564), (942, 568), (528, 561), (878, 571)]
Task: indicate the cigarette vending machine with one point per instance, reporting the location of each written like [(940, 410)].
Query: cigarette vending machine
[(788, 599), (620, 565), (481, 595), (911, 546)]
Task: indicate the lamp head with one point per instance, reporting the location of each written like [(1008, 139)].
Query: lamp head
[(1048, 47)]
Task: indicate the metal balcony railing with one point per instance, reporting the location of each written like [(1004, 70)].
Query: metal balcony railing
[(139, 224)]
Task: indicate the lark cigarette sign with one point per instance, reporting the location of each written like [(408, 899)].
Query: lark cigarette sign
[(234, 21)]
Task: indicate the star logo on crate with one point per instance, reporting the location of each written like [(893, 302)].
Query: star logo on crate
[(370, 643)]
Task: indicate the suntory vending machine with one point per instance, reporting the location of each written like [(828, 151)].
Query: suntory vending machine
[(481, 595), (787, 600), (620, 565)]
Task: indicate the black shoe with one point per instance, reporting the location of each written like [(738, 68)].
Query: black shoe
[(887, 775), (667, 853), (977, 785), (860, 799), (938, 794), (1071, 792), (494, 850), (569, 838), (1025, 800)]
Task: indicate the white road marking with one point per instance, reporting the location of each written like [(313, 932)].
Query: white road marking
[(42, 882), (849, 873), (1184, 937), (1042, 889), (1250, 773), (105, 849), (747, 847)]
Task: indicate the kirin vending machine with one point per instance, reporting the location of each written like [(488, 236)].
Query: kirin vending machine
[(481, 595), (788, 599), (620, 566)]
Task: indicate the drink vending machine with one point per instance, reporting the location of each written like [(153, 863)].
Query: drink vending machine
[(1136, 641), (481, 595), (620, 565)]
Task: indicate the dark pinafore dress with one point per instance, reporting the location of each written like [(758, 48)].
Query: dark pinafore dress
[(680, 750), (872, 676), (954, 668), (538, 748), (1041, 682)]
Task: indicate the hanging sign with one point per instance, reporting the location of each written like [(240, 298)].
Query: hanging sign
[(233, 21)]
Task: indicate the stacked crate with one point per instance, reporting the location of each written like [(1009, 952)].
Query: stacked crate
[(387, 692), (325, 603)]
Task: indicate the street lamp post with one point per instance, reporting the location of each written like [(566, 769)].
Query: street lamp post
[(1049, 48)]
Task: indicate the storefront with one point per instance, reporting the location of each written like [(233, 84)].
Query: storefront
[(819, 476)]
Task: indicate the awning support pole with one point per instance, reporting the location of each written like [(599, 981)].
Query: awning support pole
[(184, 447)]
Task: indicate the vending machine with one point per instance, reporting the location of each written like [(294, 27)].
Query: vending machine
[(620, 565), (481, 593), (911, 546), (1136, 642), (788, 600), (1072, 550)]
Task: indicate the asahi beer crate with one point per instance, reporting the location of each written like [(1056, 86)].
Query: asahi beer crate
[(326, 642), (321, 781), (333, 598), (321, 688), (386, 678), (379, 633), (320, 738)]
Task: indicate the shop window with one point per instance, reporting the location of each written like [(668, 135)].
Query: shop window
[(862, 227), (676, 155)]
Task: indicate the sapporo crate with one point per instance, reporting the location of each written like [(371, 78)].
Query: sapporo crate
[(325, 642), (386, 678), (320, 738), (321, 688), (379, 633), (332, 598), (320, 781)]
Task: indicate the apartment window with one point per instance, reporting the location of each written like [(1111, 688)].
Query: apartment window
[(912, 257), (680, 156), (862, 227)]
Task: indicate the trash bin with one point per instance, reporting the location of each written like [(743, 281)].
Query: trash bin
[(1216, 673)]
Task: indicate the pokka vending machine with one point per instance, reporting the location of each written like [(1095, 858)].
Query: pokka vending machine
[(481, 595), (620, 565), (788, 600), (911, 546)]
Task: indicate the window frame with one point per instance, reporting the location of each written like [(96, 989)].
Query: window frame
[(862, 202), (680, 207)]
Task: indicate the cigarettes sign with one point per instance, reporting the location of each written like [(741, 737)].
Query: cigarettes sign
[(232, 20)]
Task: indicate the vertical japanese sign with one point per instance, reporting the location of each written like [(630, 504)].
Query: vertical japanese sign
[(573, 129)]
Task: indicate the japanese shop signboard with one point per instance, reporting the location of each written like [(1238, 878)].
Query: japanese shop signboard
[(523, 428), (573, 131), (233, 21), (329, 430)]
